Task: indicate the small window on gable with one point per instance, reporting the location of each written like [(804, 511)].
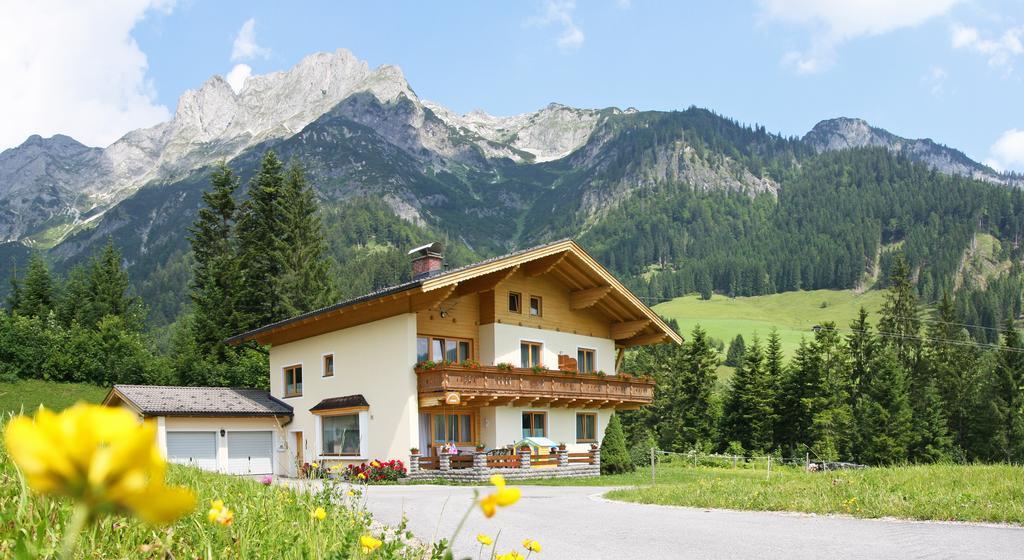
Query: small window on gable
[(536, 306), (293, 381), (329, 365), (515, 302)]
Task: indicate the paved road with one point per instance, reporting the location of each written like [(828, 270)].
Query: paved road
[(577, 523)]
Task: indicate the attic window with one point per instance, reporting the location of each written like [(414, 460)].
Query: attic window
[(515, 302), (535, 306)]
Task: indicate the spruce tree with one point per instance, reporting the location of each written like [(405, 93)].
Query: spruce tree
[(14, 295), (306, 283), (861, 346), (831, 423), (883, 411), (952, 362), (36, 294), (747, 413), (261, 247), (614, 455), (775, 376), (793, 419), (683, 412), (108, 291), (216, 277), (734, 356), (1007, 401)]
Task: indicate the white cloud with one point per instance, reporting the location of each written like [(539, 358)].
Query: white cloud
[(1008, 151), (935, 79), (245, 46), (72, 67), (559, 13), (834, 22), (237, 76), (999, 51)]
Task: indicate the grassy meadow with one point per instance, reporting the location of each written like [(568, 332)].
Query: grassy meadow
[(982, 493), (30, 393), (792, 313)]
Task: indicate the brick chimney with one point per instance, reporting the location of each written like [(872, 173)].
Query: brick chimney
[(427, 261)]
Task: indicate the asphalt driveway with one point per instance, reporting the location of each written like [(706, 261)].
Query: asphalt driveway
[(575, 522)]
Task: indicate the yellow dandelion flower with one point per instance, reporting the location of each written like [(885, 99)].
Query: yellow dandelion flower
[(531, 545), (484, 539), (508, 496), (319, 514), (498, 480), (369, 543), (102, 457)]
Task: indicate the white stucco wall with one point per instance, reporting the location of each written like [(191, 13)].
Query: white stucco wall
[(374, 360), (500, 343)]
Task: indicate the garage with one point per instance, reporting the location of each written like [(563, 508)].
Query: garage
[(223, 429), (196, 449), (250, 452)]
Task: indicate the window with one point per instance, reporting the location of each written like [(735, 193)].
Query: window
[(515, 302), (534, 424), (585, 360), (340, 434), (535, 306), (529, 354), (586, 427), (454, 428), (293, 381), (440, 349), (329, 365)]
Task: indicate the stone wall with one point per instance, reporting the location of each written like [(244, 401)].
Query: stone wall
[(479, 472)]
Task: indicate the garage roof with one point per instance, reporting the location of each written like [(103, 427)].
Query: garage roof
[(159, 400), (334, 403)]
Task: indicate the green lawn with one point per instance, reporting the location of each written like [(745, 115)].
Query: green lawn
[(988, 493), (29, 394), (792, 313)]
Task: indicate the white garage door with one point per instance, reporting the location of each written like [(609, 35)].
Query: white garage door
[(250, 452), (198, 449)]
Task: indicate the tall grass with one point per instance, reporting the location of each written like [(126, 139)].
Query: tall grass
[(270, 522)]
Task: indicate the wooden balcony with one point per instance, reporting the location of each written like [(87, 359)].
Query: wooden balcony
[(450, 384)]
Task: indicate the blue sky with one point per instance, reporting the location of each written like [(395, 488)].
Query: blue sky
[(945, 69)]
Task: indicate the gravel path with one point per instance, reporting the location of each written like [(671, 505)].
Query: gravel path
[(575, 522)]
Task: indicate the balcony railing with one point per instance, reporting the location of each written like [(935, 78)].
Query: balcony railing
[(493, 385)]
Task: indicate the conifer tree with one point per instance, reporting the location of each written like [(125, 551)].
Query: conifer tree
[(1005, 401), (883, 412), (747, 414), (800, 382), (831, 423), (684, 411), (261, 247), (14, 295), (775, 375), (734, 356), (36, 294), (216, 277), (108, 291), (952, 362), (306, 283), (614, 454)]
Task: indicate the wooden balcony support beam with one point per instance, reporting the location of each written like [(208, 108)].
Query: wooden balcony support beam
[(431, 299), (582, 299), (644, 339)]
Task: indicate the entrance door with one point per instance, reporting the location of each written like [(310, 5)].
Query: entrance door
[(299, 457)]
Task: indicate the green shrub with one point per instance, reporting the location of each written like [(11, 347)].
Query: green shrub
[(614, 456)]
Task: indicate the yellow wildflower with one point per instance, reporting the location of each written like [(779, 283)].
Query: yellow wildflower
[(315, 465), (220, 514), (531, 545), (504, 496), (100, 456), (319, 514), (351, 493), (513, 555), (369, 543), (484, 539)]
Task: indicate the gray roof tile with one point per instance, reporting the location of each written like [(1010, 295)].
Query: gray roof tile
[(156, 400)]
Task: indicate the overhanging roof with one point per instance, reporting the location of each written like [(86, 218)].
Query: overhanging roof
[(633, 323), (159, 400)]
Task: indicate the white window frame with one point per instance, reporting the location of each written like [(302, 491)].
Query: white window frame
[(364, 438), (323, 370)]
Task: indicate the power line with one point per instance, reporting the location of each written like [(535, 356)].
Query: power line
[(900, 336)]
